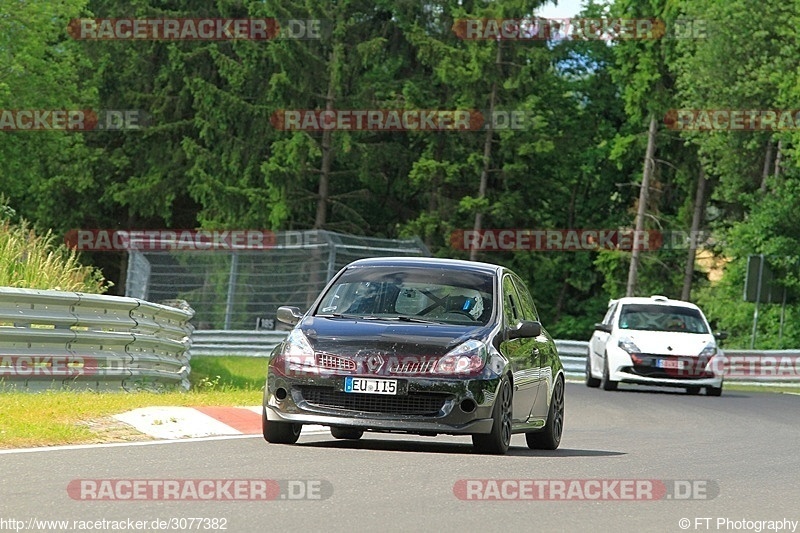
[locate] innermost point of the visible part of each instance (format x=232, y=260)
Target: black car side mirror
x=721, y=335
x=289, y=314
x=603, y=327
x=525, y=329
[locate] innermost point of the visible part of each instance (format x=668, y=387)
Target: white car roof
x=655, y=299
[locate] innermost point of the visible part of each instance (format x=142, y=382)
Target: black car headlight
x=466, y=358
x=297, y=355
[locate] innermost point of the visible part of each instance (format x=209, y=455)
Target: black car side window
x=525, y=301
x=511, y=312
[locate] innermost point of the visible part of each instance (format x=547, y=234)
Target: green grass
x=228, y=373
x=80, y=417
x=793, y=388
x=75, y=417
x=32, y=261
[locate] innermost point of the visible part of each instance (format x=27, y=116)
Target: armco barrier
x=763, y=367
x=53, y=339
x=248, y=343
x=573, y=357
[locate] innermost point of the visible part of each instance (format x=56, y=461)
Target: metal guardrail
x=53, y=339
x=248, y=343
x=573, y=355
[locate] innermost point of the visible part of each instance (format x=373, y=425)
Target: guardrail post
x=231, y=289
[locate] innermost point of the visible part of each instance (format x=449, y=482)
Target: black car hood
x=339, y=335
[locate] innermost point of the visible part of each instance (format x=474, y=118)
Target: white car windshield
x=652, y=317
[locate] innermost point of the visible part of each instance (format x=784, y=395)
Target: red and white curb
x=192, y=422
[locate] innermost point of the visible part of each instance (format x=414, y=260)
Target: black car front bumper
x=425, y=406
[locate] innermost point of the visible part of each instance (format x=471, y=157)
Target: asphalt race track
x=734, y=458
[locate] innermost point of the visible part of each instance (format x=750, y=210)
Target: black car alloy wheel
x=499, y=439
x=549, y=437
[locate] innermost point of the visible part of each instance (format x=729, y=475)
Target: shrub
x=32, y=261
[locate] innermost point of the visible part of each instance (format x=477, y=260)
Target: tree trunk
x=697, y=216
x=562, y=295
x=317, y=264
x=778, y=158
x=327, y=153
x=434, y=199
x=644, y=190
x=767, y=161
x=487, y=155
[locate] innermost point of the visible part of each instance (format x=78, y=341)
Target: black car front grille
x=334, y=362
x=413, y=403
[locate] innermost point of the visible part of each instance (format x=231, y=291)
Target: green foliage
x=32, y=261
x=211, y=157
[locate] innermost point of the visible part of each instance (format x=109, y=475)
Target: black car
x=420, y=346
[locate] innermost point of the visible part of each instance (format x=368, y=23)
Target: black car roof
x=429, y=262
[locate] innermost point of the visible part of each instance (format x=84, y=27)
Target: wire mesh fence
x=243, y=288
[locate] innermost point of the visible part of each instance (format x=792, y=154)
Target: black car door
x=544, y=353
x=521, y=353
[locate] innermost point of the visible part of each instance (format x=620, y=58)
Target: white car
x=655, y=341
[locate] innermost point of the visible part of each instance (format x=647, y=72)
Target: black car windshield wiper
x=417, y=320
x=402, y=318
x=375, y=317
x=337, y=315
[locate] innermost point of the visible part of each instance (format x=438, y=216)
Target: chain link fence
x=242, y=289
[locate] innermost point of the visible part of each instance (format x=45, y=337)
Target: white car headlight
x=710, y=350
x=628, y=345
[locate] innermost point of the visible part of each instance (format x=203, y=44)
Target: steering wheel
x=461, y=313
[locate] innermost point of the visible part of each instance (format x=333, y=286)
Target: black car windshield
x=411, y=293
x=652, y=317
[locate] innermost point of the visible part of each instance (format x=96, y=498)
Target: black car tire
x=279, y=432
x=607, y=383
x=498, y=441
x=714, y=391
x=549, y=437
x=346, y=433
x=692, y=391
x=591, y=381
